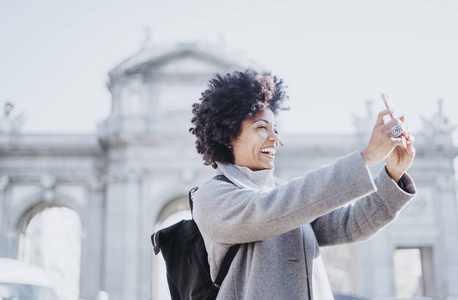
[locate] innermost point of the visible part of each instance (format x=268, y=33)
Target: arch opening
x=51, y=239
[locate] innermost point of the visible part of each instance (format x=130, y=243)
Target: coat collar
x=234, y=174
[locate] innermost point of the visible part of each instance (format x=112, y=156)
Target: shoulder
x=211, y=200
x=213, y=187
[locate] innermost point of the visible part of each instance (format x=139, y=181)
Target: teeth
x=268, y=150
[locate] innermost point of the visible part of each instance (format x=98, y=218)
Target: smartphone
x=386, y=99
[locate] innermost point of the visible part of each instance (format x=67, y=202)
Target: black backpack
x=186, y=259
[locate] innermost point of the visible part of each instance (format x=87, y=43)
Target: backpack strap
x=230, y=255
x=191, y=197
x=155, y=240
x=225, y=265
x=222, y=178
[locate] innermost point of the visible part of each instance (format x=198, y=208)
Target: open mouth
x=269, y=151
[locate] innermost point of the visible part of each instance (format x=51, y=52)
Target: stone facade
x=126, y=179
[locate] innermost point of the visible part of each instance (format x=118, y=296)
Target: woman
x=281, y=225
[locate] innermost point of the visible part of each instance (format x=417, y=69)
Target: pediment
x=187, y=60
x=189, y=63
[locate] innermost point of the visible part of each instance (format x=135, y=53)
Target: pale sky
x=334, y=55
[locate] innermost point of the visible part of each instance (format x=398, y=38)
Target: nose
x=274, y=137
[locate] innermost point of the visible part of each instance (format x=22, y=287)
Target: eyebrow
x=263, y=120
x=259, y=120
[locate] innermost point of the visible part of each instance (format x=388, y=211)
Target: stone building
x=128, y=179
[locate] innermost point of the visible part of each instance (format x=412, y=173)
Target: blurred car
x=347, y=297
x=412, y=298
x=21, y=281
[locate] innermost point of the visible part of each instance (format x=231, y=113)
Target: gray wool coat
x=282, y=225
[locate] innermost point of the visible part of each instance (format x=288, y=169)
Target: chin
x=268, y=167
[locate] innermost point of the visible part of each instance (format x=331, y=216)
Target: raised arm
x=231, y=214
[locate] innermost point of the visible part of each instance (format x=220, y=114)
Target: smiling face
x=257, y=143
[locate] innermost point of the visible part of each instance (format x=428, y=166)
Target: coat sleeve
x=230, y=215
x=365, y=217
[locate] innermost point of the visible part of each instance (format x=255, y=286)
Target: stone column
x=448, y=260
x=122, y=262
x=377, y=267
x=92, y=245
x=4, y=182
x=145, y=248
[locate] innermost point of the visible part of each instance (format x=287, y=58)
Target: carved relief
x=4, y=182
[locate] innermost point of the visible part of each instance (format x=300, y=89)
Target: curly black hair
x=229, y=100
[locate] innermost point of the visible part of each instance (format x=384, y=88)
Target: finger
x=411, y=139
x=402, y=120
x=382, y=114
x=401, y=142
x=405, y=129
x=411, y=150
x=396, y=121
